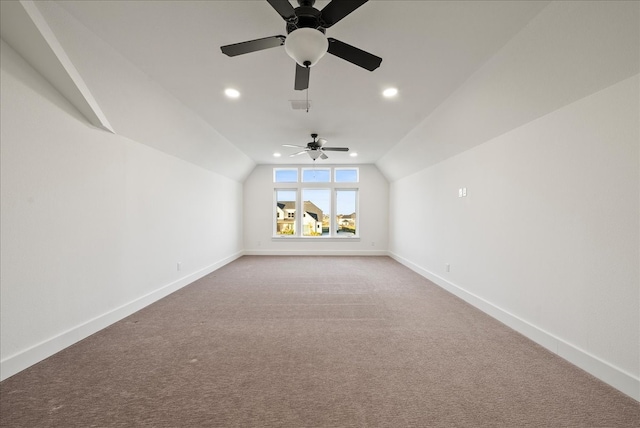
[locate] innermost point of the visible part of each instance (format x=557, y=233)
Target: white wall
x=545, y=137
x=93, y=224
x=259, y=211
x=547, y=239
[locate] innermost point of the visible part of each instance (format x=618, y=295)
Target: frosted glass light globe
x=314, y=154
x=306, y=45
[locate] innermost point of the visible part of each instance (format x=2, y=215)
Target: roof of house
x=309, y=207
x=288, y=205
x=313, y=210
x=347, y=216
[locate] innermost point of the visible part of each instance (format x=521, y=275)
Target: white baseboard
x=619, y=379
x=24, y=359
x=316, y=253
x=614, y=376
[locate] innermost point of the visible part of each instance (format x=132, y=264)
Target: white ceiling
x=429, y=49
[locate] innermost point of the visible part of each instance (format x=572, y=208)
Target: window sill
x=315, y=238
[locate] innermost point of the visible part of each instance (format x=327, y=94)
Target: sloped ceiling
x=24, y=27
x=465, y=71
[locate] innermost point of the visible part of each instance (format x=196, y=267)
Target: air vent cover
x=300, y=104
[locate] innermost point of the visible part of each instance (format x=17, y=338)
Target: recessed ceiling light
x=353, y=155
x=276, y=155
x=390, y=92
x=231, y=93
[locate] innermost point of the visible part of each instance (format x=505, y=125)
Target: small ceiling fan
x=316, y=148
x=306, y=42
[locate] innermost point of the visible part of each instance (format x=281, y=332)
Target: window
x=317, y=210
x=346, y=175
x=346, y=212
x=285, y=212
x=285, y=175
x=316, y=175
x=329, y=207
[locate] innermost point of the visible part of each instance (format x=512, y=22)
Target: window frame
x=356, y=209
x=335, y=174
x=275, y=170
x=285, y=215
x=303, y=170
x=329, y=192
x=332, y=186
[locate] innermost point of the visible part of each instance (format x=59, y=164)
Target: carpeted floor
x=310, y=342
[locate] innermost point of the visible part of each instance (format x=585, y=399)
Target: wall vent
x=300, y=104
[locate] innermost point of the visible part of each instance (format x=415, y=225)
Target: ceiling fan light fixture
x=314, y=154
x=306, y=46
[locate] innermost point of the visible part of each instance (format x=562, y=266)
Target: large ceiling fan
x=306, y=42
x=316, y=148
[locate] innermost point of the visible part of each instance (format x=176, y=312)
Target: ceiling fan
x=306, y=42
x=316, y=148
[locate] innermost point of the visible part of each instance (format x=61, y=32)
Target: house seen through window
x=327, y=199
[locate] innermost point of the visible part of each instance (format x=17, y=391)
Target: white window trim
x=303, y=170
x=274, y=222
x=333, y=187
x=357, y=210
x=336, y=169
x=286, y=169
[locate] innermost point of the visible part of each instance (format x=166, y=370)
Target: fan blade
x=299, y=153
x=323, y=156
x=284, y=8
x=338, y=9
x=291, y=145
x=353, y=55
x=336, y=149
x=302, y=77
x=253, y=45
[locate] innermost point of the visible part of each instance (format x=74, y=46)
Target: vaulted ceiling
x=430, y=50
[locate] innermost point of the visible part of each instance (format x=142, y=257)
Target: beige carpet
x=310, y=342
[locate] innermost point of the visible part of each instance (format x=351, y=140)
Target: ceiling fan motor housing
x=314, y=145
x=306, y=17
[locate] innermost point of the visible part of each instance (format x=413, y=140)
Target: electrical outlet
x=373, y=244
x=447, y=267
x=179, y=266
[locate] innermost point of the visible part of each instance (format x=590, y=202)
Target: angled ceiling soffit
x=24, y=28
